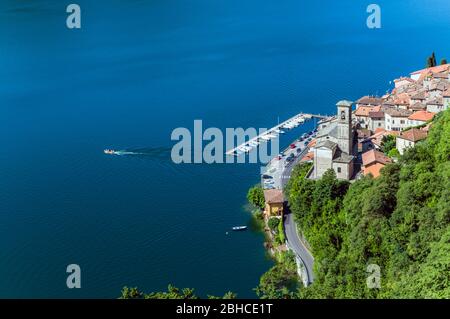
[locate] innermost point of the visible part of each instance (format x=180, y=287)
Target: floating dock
x=272, y=133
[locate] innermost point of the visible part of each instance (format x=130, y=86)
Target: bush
x=394, y=153
x=388, y=143
x=255, y=196
x=273, y=223
x=281, y=235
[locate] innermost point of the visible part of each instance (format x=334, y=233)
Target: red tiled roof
x=365, y=110
x=312, y=143
x=370, y=100
x=398, y=112
x=376, y=114
x=402, y=99
x=413, y=135
x=273, y=196
x=435, y=69
x=404, y=79
x=418, y=106
x=308, y=157
x=373, y=156
x=424, y=116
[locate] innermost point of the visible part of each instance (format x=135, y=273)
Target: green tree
x=255, y=196
x=388, y=143
x=281, y=281
x=431, y=61
x=273, y=223
x=393, y=153
x=131, y=293
x=443, y=61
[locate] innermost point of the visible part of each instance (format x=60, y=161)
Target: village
x=357, y=143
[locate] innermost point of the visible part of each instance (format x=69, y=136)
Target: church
x=335, y=144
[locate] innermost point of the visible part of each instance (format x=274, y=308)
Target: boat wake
x=152, y=152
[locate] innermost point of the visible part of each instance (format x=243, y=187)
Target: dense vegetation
x=171, y=293
x=281, y=281
x=399, y=221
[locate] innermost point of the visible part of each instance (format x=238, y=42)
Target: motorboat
x=239, y=228
x=109, y=151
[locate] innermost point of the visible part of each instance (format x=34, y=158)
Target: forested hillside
x=399, y=221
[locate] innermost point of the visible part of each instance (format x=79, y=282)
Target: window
x=338, y=169
x=342, y=115
x=379, y=124
x=402, y=121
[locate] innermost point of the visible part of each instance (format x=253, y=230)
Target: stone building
x=335, y=145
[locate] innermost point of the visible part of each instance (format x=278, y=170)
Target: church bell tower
x=344, y=126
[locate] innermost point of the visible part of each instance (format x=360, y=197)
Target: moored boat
x=238, y=228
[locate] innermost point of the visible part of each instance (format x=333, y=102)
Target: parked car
x=299, y=150
x=266, y=176
x=292, y=146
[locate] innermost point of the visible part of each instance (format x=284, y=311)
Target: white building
x=409, y=139
x=376, y=120
x=436, y=105
x=446, y=99
x=420, y=117
x=396, y=119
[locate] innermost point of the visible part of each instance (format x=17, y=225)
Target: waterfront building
x=274, y=202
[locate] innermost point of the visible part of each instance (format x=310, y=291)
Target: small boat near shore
x=239, y=228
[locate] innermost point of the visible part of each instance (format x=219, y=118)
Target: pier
x=273, y=132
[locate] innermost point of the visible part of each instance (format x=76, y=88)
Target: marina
x=274, y=132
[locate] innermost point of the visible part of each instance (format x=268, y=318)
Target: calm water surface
x=134, y=72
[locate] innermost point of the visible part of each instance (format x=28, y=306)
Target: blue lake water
x=134, y=72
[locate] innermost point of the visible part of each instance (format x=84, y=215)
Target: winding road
x=292, y=237
x=297, y=246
